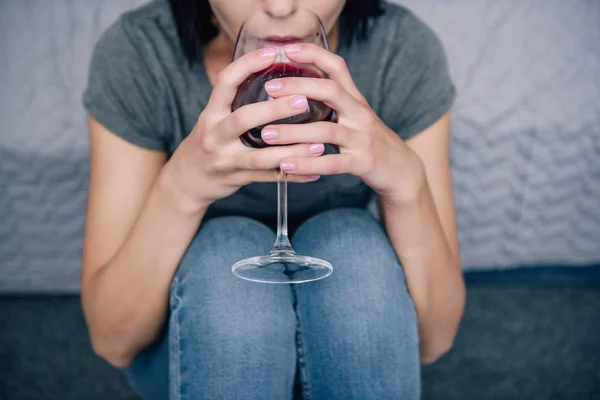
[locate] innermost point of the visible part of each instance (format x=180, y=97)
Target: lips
x=277, y=41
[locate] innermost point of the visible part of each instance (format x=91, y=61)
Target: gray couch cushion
x=525, y=150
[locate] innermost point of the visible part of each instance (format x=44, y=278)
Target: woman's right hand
x=212, y=163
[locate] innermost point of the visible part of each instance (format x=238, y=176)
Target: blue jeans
x=350, y=336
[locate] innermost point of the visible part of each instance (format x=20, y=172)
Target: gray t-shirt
x=142, y=88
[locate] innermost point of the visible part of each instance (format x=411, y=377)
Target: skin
x=230, y=19
x=141, y=220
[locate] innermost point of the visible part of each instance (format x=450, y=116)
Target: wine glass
x=282, y=264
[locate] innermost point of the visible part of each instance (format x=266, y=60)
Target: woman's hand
x=212, y=163
x=368, y=148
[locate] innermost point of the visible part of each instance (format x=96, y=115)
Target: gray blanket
x=525, y=146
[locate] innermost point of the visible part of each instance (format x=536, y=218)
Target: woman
x=158, y=293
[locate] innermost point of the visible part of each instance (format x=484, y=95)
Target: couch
x=526, y=169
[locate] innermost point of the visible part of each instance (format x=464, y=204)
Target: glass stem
x=282, y=243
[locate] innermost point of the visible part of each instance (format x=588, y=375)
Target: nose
x=279, y=8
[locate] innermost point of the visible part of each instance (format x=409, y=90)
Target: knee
x=350, y=237
x=204, y=277
x=226, y=235
x=367, y=274
x=204, y=292
x=219, y=243
x=355, y=224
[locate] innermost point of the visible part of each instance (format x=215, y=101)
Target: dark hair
x=195, y=25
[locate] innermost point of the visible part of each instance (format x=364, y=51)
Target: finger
x=271, y=157
x=235, y=73
x=316, y=132
x=249, y=176
x=258, y=114
x=333, y=164
x=326, y=90
x=332, y=64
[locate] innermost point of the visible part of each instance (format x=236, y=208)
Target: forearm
x=126, y=301
x=433, y=273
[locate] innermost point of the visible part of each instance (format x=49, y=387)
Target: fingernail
x=316, y=148
x=292, y=48
x=268, y=52
x=299, y=102
x=274, y=85
x=313, y=177
x=287, y=166
x=269, y=133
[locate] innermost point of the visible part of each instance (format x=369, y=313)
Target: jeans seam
x=301, y=353
x=176, y=354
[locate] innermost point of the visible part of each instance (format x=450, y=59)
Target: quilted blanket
x=525, y=144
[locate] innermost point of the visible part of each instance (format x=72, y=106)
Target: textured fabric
x=233, y=339
x=525, y=145
x=46, y=48
x=526, y=128
x=142, y=88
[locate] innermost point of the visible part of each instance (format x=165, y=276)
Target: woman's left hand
x=368, y=148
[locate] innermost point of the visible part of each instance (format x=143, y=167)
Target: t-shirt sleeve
x=418, y=87
x=123, y=93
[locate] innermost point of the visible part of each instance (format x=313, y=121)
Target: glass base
x=282, y=268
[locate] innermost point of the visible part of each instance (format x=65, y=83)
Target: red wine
x=252, y=90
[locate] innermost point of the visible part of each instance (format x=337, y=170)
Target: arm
x=144, y=211
x=137, y=229
x=423, y=233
